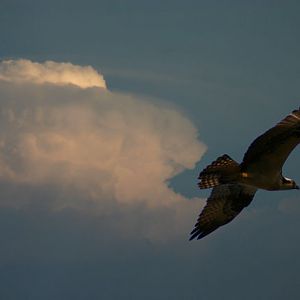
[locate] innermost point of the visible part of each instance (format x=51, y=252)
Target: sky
x=109, y=111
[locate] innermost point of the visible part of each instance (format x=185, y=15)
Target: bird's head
x=289, y=184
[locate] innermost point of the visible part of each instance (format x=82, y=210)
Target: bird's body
x=234, y=185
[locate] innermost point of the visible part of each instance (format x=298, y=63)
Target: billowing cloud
x=24, y=70
x=109, y=147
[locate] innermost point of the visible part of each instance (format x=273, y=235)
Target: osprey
x=234, y=185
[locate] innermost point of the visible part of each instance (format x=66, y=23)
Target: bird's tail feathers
x=223, y=170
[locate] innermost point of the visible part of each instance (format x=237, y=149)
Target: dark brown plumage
x=234, y=185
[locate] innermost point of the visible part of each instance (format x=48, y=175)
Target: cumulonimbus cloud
x=107, y=145
x=24, y=70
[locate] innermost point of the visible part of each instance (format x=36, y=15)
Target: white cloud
x=107, y=146
x=24, y=70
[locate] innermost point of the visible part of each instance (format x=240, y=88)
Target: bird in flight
x=234, y=185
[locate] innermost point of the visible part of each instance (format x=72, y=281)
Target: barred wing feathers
x=224, y=168
x=224, y=204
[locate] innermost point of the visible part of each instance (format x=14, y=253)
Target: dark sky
x=98, y=189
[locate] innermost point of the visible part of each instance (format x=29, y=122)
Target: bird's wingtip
x=197, y=234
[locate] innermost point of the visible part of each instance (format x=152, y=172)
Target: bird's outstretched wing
x=270, y=150
x=224, y=204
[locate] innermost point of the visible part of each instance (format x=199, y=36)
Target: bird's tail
x=223, y=170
